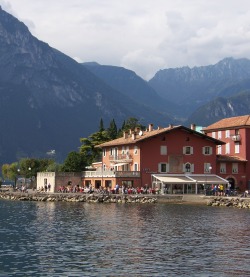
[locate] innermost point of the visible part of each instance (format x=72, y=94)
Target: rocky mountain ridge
x=195, y=87
x=49, y=101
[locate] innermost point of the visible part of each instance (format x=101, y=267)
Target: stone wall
x=230, y=202
x=68, y=197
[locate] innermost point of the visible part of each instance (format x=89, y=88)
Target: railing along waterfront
x=111, y=173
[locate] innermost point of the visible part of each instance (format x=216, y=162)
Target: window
x=187, y=167
x=113, y=152
x=135, y=150
x=207, y=168
x=237, y=132
x=235, y=168
x=207, y=150
x=219, y=135
x=219, y=149
x=136, y=167
x=187, y=150
x=222, y=168
x=213, y=135
x=163, y=167
x=104, y=152
x=123, y=150
x=228, y=148
x=163, y=150
x=237, y=148
x=227, y=134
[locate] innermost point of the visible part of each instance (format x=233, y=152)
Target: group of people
x=107, y=190
x=219, y=190
x=75, y=189
x=139, y=190
x=46, y=188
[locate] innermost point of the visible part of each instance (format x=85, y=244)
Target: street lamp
x=16, y=178
x=205, y=185
x=29, y=175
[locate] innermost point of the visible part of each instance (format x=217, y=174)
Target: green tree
x=9, y=171
x=88, y=145
x=112, y=130
x=54, y=167
x=101, y=126
x=131, y=123
x=27, y=167
x=88, y=149
x=75, y=162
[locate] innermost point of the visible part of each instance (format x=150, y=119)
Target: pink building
x=234, y=155
x=175, y=159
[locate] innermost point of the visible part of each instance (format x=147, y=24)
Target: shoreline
x=233, y=201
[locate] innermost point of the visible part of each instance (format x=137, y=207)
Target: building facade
x=234, y=155
x=163, y=158
x=58, y=180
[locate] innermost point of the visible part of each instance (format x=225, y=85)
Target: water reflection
x=80, y=239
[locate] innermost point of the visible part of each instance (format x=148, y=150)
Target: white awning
x=209, y=179
x=174, y=179
x=119, y=164
x=189, y=179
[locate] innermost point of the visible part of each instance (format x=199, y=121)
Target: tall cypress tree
x=112, y=130
x=101, y=126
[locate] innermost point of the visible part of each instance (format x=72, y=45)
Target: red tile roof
x=231, y=122
x=226, y=158
x=130, y=139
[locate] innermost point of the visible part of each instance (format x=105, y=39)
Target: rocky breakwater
x=90, y=198
x=241, y=203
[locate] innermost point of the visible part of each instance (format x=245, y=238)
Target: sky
x=141, y=35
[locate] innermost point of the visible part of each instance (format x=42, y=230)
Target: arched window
x=187, y=167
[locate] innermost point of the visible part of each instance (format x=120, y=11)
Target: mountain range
x=49, y=101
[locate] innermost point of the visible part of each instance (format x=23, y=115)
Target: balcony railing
x=121, y=158
x=236, y=138
x=110, y=173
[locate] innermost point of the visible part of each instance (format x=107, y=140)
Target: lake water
x=80, y=239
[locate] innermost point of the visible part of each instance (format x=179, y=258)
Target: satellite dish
x=140, y=133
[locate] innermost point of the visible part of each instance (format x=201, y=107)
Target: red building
x=234, y=155
x=175, y=159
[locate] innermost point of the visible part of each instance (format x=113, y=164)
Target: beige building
x=56, y=180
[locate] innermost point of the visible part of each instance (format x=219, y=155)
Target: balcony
x=110, y=174
x=121, y=158
x=236, y=138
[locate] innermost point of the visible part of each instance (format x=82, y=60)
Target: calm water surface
x=80, y=239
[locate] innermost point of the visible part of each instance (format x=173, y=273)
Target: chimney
x=125, y=135
x=170, y=126
x=150, y=127
x=193, y=127
x=133, y=135
x=137, y=129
